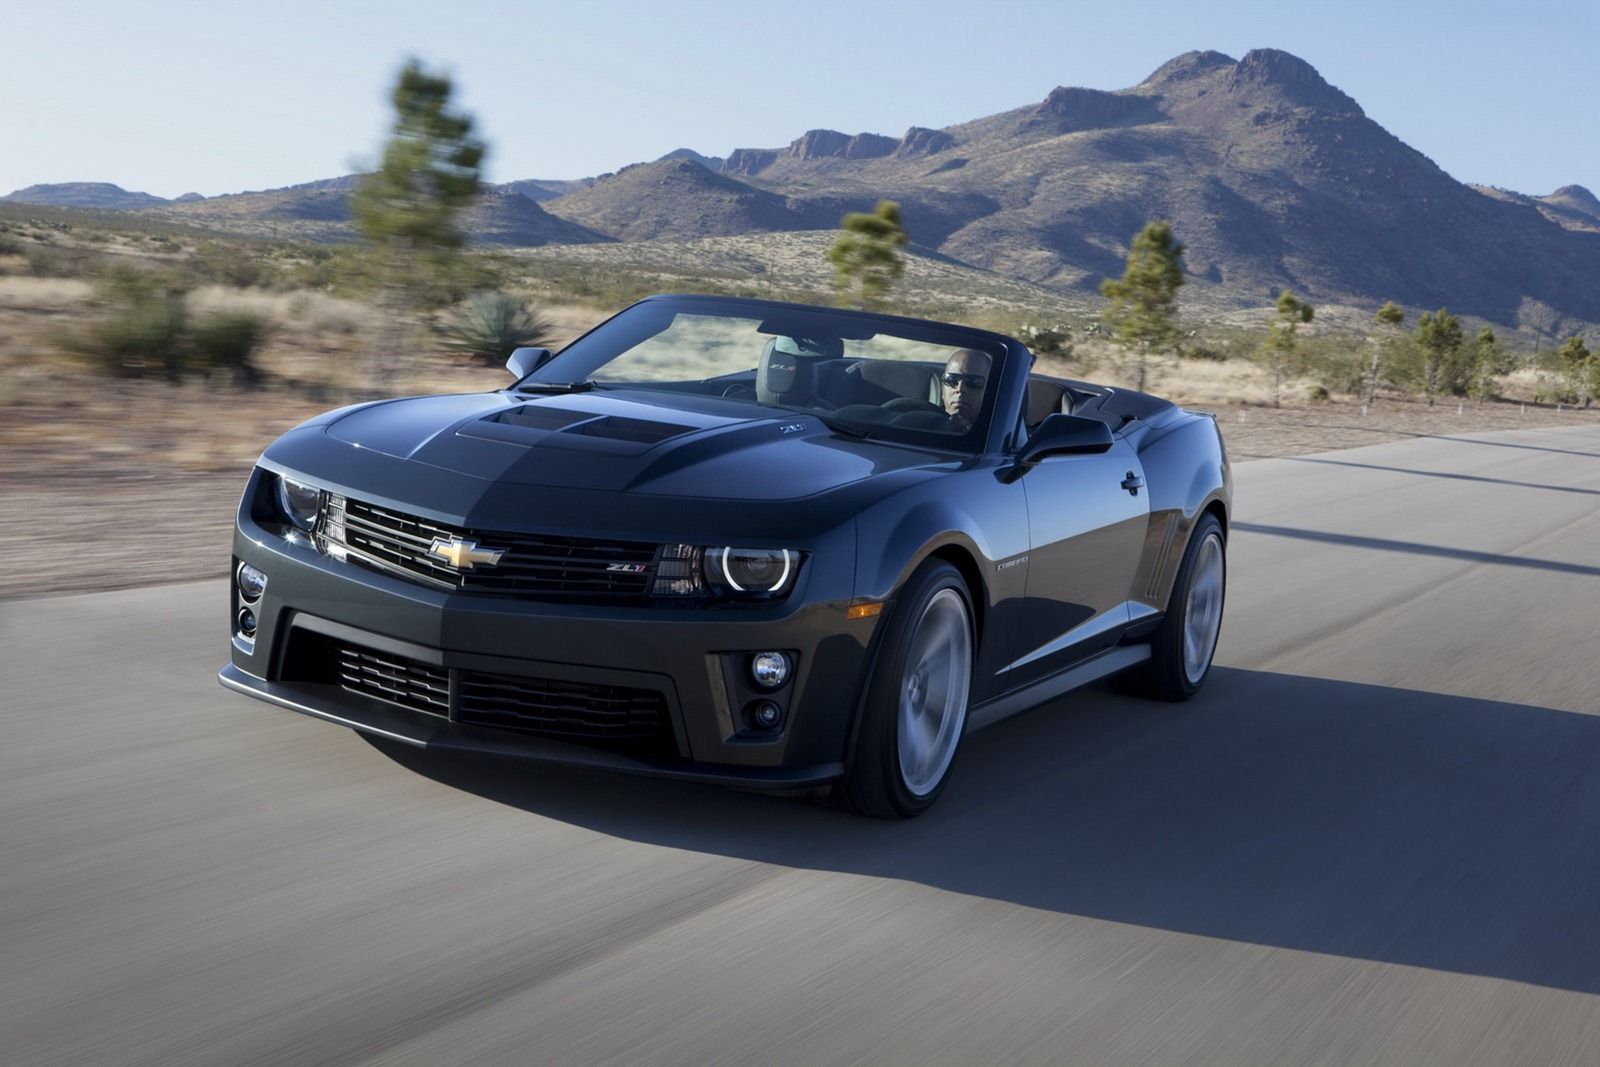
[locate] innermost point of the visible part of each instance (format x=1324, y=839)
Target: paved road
x=1375, y=838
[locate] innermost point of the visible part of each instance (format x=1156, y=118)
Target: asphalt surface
x=1374, y=838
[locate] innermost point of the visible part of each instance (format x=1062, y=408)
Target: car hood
x=626, y=441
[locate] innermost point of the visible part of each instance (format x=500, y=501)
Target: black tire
x=875, y=783
x=1164, y=676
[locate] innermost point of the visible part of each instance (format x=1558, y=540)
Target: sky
x=217, y=97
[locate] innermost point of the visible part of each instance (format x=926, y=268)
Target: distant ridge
x=1272, y=177
x=101, y=195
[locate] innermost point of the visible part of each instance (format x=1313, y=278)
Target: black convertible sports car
x=736, y=541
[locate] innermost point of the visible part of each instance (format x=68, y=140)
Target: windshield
x=919, y=383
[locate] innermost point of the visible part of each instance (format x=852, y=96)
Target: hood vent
x=541, y=417
x=635, y=431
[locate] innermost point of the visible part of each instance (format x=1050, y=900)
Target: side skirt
x=1106, y=663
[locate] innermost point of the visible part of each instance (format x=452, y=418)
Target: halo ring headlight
x=751, y=571
x=298, y=502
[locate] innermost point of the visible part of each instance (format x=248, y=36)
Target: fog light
x=252, y=583
x=765, y=715
x=769, y=669
x=247, y=622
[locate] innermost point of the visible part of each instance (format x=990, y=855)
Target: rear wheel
x=916, y=709
x=1183, y=645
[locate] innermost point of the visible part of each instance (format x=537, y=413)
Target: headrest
x=788, y=367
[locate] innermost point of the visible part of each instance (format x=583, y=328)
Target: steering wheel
x=906, y=403
x=739, y=391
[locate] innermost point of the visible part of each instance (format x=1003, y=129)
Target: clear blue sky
x=169, y=97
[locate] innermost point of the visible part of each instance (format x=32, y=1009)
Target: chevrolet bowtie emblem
x=464, y=555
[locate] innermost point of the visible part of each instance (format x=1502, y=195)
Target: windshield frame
x=990, y=431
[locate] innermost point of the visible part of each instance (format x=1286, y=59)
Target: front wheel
x=916, y=709
x=1183, y=645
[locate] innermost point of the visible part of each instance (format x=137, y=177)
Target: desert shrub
x=141, y=335
x=492, y=325
x=225, y=342
x=227, y=264
x=55, y=261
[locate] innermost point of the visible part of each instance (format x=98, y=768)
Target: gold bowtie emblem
x=464, y=555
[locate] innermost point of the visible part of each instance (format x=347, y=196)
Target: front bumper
x=692, y=656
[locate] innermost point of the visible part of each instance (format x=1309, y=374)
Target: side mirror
x=1063, y=435
x=524, y=361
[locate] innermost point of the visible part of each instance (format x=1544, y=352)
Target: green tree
x=1143, y=316
x=1488, y=361
x=1390, y=317
x=866, y=258
x=1439, y=338
x=1581, y=367
x=408, y=208
x=1291, y=313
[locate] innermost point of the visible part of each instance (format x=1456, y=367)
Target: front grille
x=572, y=711
x=624, y=719
x=392, y=678
x=536, y=565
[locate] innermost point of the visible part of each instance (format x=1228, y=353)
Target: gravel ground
x=115, y=520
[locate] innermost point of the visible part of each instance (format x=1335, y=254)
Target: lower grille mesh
x=619, y=718
x=395, y=679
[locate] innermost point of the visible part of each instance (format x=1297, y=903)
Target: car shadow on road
x=1356, y=820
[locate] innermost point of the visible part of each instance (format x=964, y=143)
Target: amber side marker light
x=864, y=611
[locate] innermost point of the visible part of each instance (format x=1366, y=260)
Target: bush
x=226, y=342
x=492, y=325
x=140, y=335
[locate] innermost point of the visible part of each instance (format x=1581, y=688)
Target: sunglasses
x=971, y=381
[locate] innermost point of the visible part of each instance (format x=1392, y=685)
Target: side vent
x=1159, y=568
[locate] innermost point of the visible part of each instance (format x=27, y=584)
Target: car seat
x=788, y=371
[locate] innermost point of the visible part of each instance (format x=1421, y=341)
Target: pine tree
x=1439, y=338
x=1389, y=318
x=1143, y=316
x=408, y=207
x=866, y=258
x=1487, y=362
x=1291, y=312
x=1581, y=367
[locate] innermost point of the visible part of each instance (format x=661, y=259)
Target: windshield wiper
x=557, y=387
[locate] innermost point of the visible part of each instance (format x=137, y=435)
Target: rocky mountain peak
x=831, y=144
x=1068, y=109
x=1185, y=68
x=1576, y=196
x=1296, y=82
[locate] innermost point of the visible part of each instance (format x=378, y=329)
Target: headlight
x=751, y=571
x=299, y=502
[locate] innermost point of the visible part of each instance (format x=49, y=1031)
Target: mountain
x=1571, y=206
x=1271, y=176
x=101, y=195
x=320, y=211
x=681, y=198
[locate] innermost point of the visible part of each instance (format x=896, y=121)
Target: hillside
x=320, y=211
x=1271, y=176
x=102, y=196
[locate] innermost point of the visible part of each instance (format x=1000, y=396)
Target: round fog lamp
x=247, y=622
x=769, y=669
x=252, y=583
x=766, y=715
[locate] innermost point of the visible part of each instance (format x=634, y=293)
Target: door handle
x=1132, y=483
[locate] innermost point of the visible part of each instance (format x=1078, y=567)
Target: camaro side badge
x=464, y=555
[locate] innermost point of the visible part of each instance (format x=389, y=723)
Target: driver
x=965, y=376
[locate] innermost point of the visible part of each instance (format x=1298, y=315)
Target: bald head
x=966, y=377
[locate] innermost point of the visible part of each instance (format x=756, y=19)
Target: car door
x=1087, y=518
